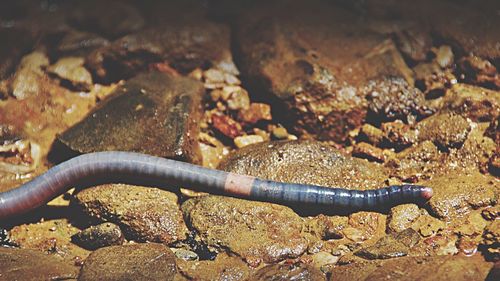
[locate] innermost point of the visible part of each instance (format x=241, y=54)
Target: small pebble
x=280, y=133
x=239, y=100
x=186, y=255
x=214, y=76
x=444, y=56
x=247, y=140
x=98, y=236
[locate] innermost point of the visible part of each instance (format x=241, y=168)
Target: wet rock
x=153, y=113
x=371, y=134
x=144, y=214
x=280, y=133
x=98, y=236
x=184, y=45
x=367, y=151
x=148, y=261
x=226, y=125
x=112, y=19
x=364, y=226
x=478, y=104
x=224, y=267
x=478, y=71
x=239, y=99
x=326, y=227
x=185, y=254
x=282, y=272
x=324, y=261
x=446, y=130
x=21, y=264
x=432, y=79
x=416, y=268
x=26, y=80
x=471, y=225
x=307, y=162
x=256, y=231
x=51, y=236
x=401, y=217
x=247, y=140
x=71, y=69
x=491, y=238
x=391, y=246
x=427, y=225
x=255, y=113
x=317, y=63
x=398, y=135
x=393, y=98
x=477, y=150
x=415, y=162
x=455, y=194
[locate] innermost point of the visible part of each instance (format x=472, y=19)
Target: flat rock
x=50, y=236
x=391, y=246
x=148, y=261
x=256, y=231
x=224, y=267
x=144, y=214
x=456, y=194
x=416, y=268
x=306, y=162
x=22, y=264
x=320, y=64
x=153, y=113
x=283, y=272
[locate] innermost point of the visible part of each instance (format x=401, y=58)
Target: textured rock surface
x=455, y=194
x=145, y=214
x=321, y=64
x=416, y=268
x=224, y=267
x=153, y=113
x=51, y=236
x=98, y=236
x=184, y=44
x=307, y=162
x=19, y=264
x=148, y=261
x=261, y=232
x=282, y=272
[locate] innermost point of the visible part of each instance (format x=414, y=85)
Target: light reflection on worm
x=114, y=166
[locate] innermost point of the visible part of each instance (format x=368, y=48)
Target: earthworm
x=117, y=166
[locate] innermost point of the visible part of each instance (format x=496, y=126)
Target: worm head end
x=427, y=193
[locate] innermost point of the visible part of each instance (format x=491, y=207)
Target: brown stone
x=224, y=267
x=307, y=162
x=20, y=264
x=51, y=236
x=416, y=268
x=283, y=272
x=148, y=261
x=204, y=41
x=153, y=113
x=318, y=63
x=256, y=231
x=145, y=214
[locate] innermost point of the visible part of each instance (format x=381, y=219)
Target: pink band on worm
x=238, y=184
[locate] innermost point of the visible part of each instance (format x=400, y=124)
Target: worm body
x=114, y=166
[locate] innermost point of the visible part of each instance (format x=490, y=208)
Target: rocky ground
x=357, y=94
